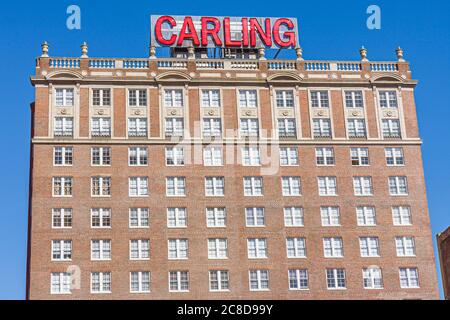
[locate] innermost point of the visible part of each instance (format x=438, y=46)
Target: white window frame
x=102, y=282
x=65, y=97
x=64, y=181
x=213, y=156
x=336, y=247
x=179, y=190
x=66, y=156
x=137, y=92
x=250, y=156
x=140, y=281
x=405, y=244
x=102, y=151
x=101, y=127
x=180, y=214
x=140, y=249
x=137, y=127
x=289, y=214
x=174, y=103
x=397, y=155
x=322, y=101
x=398, y=182
x=290, y=180
x=103, y=183
x=327, y=186
x=370, y=278
x=350, y=96
x=101, y=244
x=369, y=247
x=215, y=187
x=299, y=247
x=289, y=157
x=336, y=279
x=409, y=276
x=390, y=103
x=178, y=251
x=399, y=218
x=259, y=280
x=253, y=187
x=62, y=250
x=326, y=154
x=211, y=127
x=67, y=127
x=215, y=211
x=285, y=101
x=248, y=98
x=177, y=154
x=320, y=130
x=62, y=213
x=64, y=283
x=139, y=189
x=249, y=130
x=300, y=275
x=362, y=181
x=102, y=97
x=141, y=213
x=102, y=214
x=210, y=102
x=179, y=273
x=252, y=213
x=217, y=246
x=219, y=280
x=330, y=216
x=358, y=155
x=141, y=156
x=363, y=216
x=260, y=247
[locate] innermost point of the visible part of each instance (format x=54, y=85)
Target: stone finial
x=84, y=50
x=44, y=47
x=191, y=52
x=152, y=52
x=363, y=53
x=399, y=52
x=299, y=53
x=262, y=53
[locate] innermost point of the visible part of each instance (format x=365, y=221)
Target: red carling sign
x=225, y=32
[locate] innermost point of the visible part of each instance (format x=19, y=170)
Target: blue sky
x=328, y=30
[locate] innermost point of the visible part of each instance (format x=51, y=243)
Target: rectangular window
x=296, y=247
x=359, y=156
x=409, y=278
x=253, y=186
x=287, y=128
x=101, y=156
x=330, y=216
x=322, y=128
x=139, y=218
x=366, y=216
x=138, y=156
x=216, y=217
x=248, y=127
x=255, y=217
x=100, y=218
x=388, y=99
x=319, y=99
x=101, y=127
x=137, y=127
x=101, y=97
x=61, y=283
x=64, y=97
x=175, y=156
x=137, y=98
x=325, y=156
x=405, y=246
x=62, y=186
x=63, y=156
x=100, y=250
x=176, y=186
x=354, y=99
x=178, y=249
x=372, y=278
x=139, y=249
x=173, y=98
x=398, y=186
x=219, y=280
x=289, y=156
x=214, y=186
x=138, y=186
x=333, y=247
x=327, y=186
x=257, y=248
x=62, y=218
x=210, y=98
x=101, y=282
x=298, y=279
x=61, y=250
x=140, y=282
x=369, y=247
x=179, y=281
x=362, y=186
x=250, y=156
x=336, y=279
x=100, y=186
x=212, y=127
x=391, y=128
x=176, y=217
x=174, y=127
x=285, y=98
x=217, y=249
x=293, y=217
x=259, y=280
x=291, y=186
x=248, y=99
x=356, y=128
x=394, y=156
x=63, y=127
x=401, y=216
x=212, y=156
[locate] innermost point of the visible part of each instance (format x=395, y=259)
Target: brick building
x=443, y=240
x=229, y=178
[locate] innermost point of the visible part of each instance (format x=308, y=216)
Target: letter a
x=74, y=20
x=374, y=20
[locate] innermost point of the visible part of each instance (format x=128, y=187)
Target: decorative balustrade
x=135, y=64
x=172, y=64
x=282, y=65
x=102, y=63
x=384, y=66
x=317, y=66
x=64, y=63
x=348, y=66
x=245, y=65
x=210, y=64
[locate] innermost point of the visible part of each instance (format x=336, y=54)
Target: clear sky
x=333, y=30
